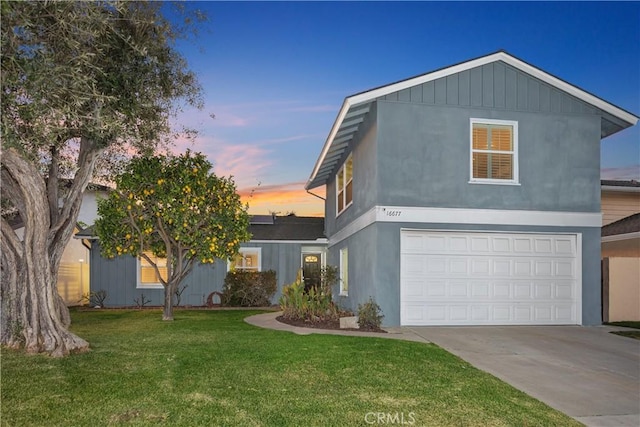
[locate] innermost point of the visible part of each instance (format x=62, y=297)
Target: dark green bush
x=369, y=315
x=249, y=288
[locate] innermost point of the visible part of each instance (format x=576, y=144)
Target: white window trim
x=139, y=284
x=516, y=176
x=343, y=273
x=245, y=250
x=344, y=192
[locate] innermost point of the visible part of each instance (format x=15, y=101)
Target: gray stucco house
x=284, y=244
x=469, y=195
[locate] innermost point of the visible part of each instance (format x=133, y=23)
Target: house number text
x=392, y=212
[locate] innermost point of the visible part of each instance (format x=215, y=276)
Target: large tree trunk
x=33, y=314
x=169, y=290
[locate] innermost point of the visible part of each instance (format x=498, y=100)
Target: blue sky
x=275, y=73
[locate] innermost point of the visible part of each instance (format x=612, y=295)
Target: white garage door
x=473, y=278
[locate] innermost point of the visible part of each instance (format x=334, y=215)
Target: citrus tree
x=83, y=84
x=174, y=208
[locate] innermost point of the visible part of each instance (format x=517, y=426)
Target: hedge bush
x=370, y=315
x=249, y=288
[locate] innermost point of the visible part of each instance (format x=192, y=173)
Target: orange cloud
x=290, y=197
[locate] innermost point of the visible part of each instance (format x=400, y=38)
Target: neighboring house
x=284, y=244
x=73, y=275
x=620, y=251
x=619, y=199
x=469, y=195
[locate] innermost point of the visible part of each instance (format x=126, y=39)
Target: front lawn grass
x=627, y=324
x=210, y=368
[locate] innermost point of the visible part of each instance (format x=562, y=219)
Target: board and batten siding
x=496, y=85
x=618, y=205
x=118, y=276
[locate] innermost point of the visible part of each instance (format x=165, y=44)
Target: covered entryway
x=489, y=278
x=311, y=269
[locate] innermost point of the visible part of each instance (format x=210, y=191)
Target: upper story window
x=147, y=275
x=344, y=185
x=494, y=151
x=247, y=259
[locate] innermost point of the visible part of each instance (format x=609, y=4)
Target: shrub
x=314, y=305
x=178, y=294
x=142, y=301
x=369, y=315
x=249, y=288
x=95, y=299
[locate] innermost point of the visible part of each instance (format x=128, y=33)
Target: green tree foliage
x=175, y=208
x=82, y=83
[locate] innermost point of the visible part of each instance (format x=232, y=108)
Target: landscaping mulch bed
x=324, y=324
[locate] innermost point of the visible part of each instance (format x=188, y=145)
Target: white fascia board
x=620, y=237
x=328, y=142
x=570, y=89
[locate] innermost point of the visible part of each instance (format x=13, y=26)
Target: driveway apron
x=585, y=372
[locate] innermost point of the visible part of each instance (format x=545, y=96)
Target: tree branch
x=53, y=184
x=10, y=242
x=62, y=230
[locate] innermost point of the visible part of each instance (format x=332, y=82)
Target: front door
x=311, y=264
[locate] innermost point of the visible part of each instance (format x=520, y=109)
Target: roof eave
x=327, y=145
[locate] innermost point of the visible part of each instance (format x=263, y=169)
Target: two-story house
x=469, y=195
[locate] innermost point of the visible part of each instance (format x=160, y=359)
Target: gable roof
x=630, y=186
x=355, y=108
x=627, y=225
x=288, y=228
x=265, y=227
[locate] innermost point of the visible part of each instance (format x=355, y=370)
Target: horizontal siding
x=616, y=206
x=496, y=85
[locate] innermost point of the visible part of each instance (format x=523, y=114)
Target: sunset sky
x=275, y=74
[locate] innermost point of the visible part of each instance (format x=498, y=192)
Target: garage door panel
x=522, y=268
x=436, y=289
x=543, y=246
x=502, y=290
x=565, y=311
x=522, y=314
x=564, y=290
x=565, y=246
x=415, y=289
x=522, y=291
x=488, y=278
x=565, y=269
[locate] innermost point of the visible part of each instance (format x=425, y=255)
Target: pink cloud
x=622, y=173
x=245, y=162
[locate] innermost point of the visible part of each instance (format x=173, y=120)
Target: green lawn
x=627, y=324
x=210, y=368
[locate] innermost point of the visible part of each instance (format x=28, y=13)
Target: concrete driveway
x=585, y=372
